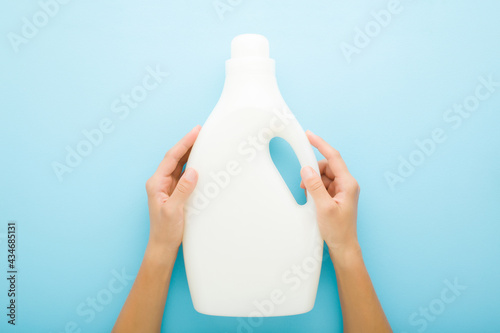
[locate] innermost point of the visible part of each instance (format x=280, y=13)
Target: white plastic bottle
x=249, y=248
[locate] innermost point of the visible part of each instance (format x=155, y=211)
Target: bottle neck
x=250, y=82
x=250, y=65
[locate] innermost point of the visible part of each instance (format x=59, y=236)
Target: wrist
x=160, y=254
x=345, y=255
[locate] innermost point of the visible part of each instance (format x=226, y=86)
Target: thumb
x=184, y=187
x=314, y=185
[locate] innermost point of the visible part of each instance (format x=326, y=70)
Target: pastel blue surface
x=430, y=233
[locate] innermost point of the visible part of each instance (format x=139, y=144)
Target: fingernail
x=307, y=172
x=309, y=132
x=190, y=175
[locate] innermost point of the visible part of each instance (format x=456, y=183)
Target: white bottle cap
x=249, y=45
x=250, y=55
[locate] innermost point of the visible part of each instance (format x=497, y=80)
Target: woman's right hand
x=335, y=193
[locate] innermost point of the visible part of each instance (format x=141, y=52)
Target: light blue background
x=441, y=224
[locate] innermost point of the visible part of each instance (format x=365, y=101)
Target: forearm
x=361, y=309
x=143, y=309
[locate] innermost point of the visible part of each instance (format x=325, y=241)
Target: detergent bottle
x=250, y=250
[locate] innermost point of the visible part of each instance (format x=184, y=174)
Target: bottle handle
x=296, y=137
